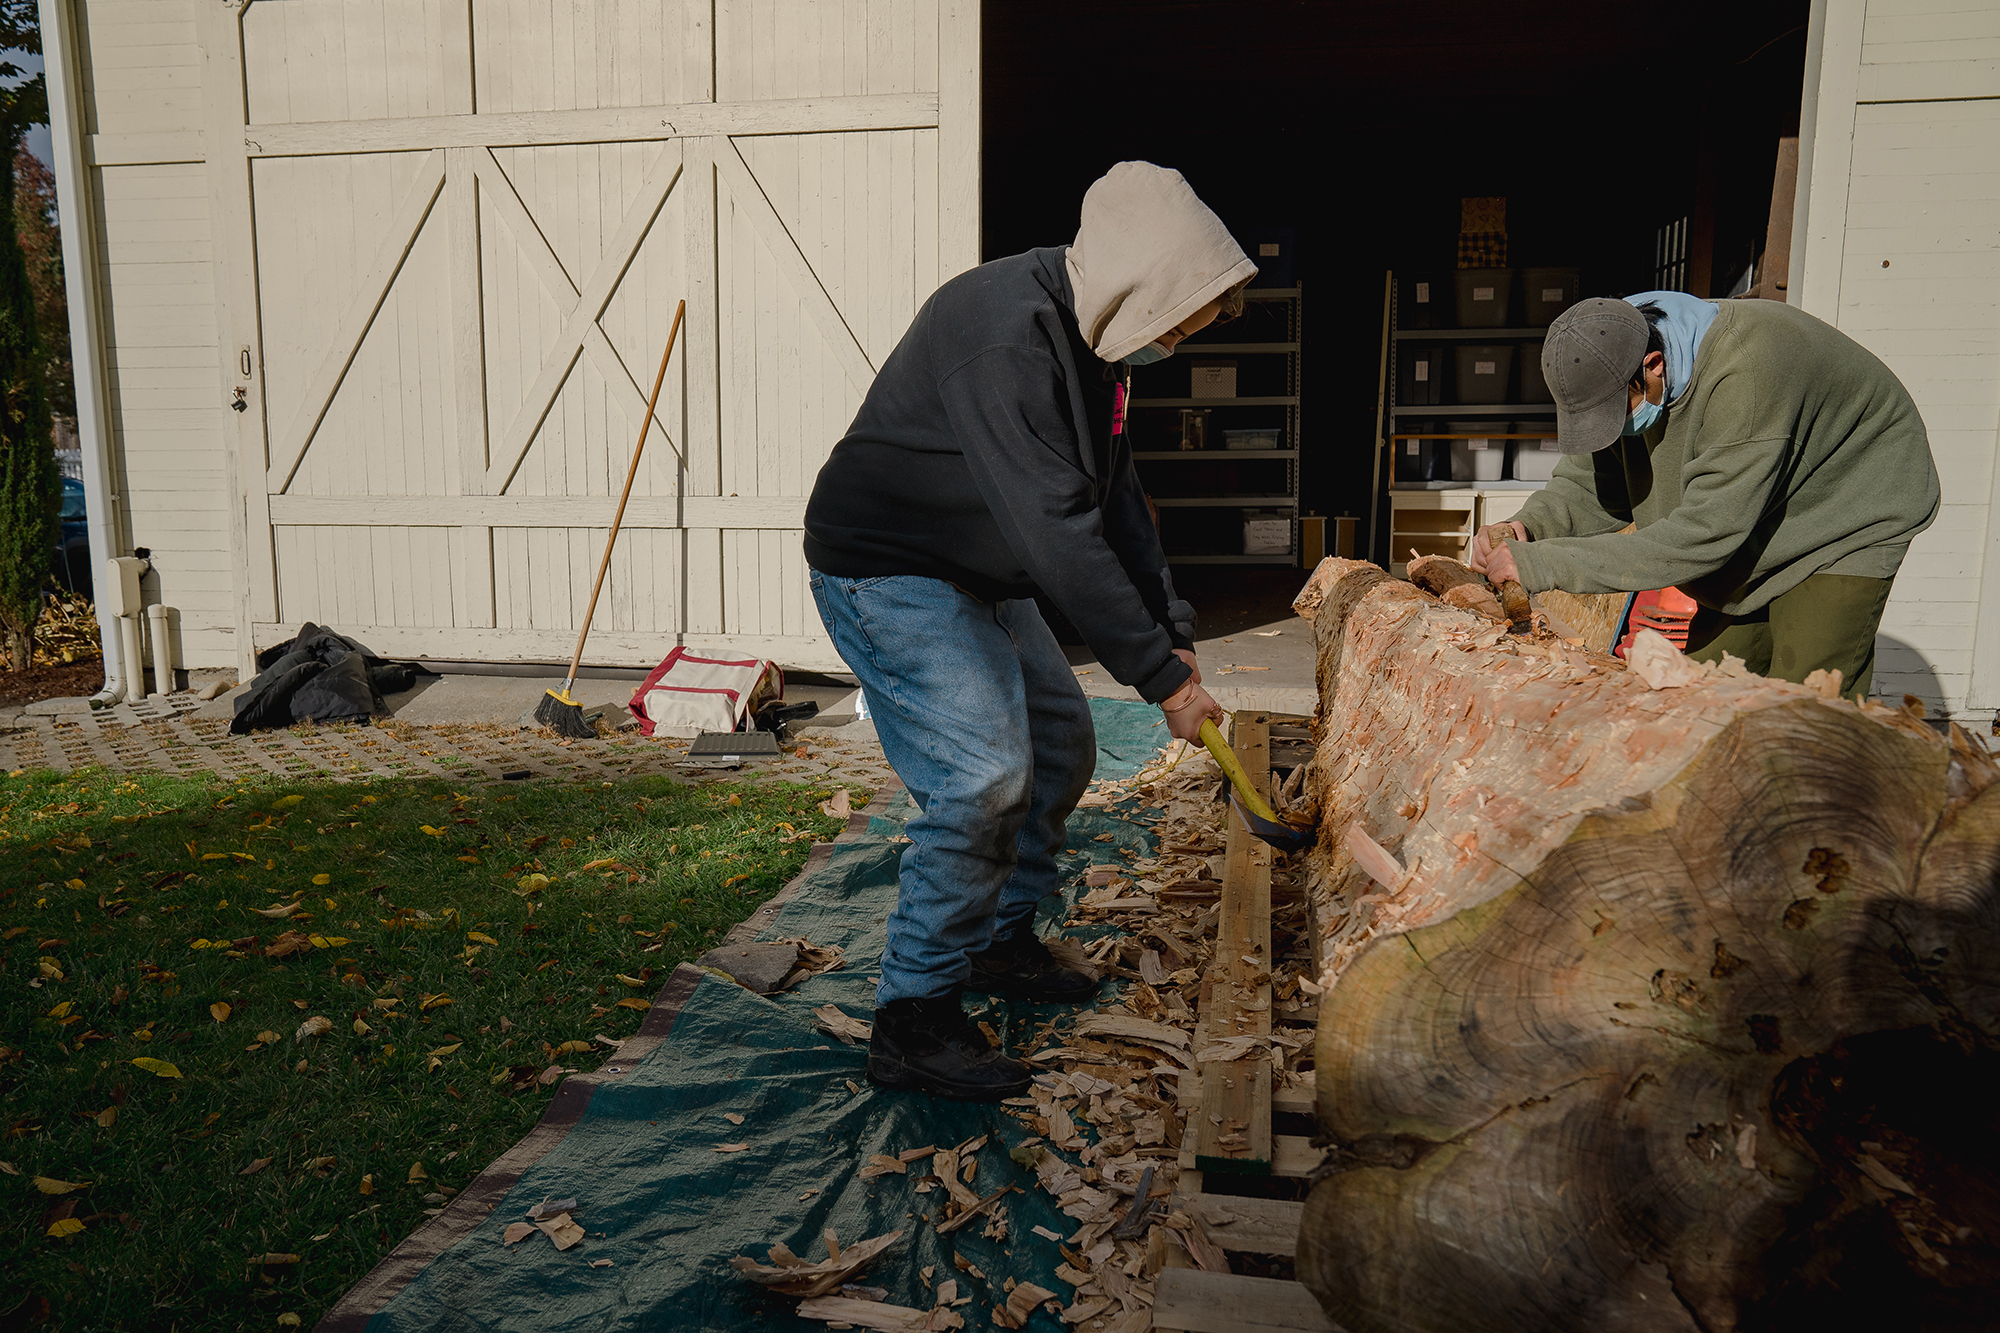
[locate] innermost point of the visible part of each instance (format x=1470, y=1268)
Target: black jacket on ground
x=983, y=456
x=319, y=676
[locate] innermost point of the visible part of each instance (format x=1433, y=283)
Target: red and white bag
x=689, y=693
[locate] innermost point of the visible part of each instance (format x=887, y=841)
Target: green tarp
x=669, y=1210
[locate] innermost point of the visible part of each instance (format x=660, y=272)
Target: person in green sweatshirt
x=1774, y=470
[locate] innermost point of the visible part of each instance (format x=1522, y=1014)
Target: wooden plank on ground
x=1293, y=1155
x=1250, y=1226
x=1193, y=1301
x=1233, y=1126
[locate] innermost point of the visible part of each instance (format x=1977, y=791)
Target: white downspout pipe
x=73, y=196
x=163, y=650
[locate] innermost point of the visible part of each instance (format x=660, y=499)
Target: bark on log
x=1675, y=1011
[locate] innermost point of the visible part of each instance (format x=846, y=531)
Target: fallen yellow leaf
x=433, y=1002
x=361, y=1029
x=631, y=1002
x=328, y=941
x=531, y=884
x=286, y=802
x=48, y=1185
x=447, y=1050
x=434, y=832
x=107, y=1117
x=734, y=879
x=574, y=1046
x=276, y=1258
x=322, y=879
x=316, y=1026
x=417, y=1173
x=479, y=938
x=269, y=1038
x=630, y=981
x=331, y=905
x=73, y=884
x=160, y=1067
x=288, y=1320
x=67, y=1226
x=255, y=1166
x=281, y=910
x=61, y=1010
x=219, y=1011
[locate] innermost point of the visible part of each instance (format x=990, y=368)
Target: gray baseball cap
x=1587, y=360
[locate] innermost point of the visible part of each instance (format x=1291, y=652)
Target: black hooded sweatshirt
x=984, y=454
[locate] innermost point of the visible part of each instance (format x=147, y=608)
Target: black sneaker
x=1020, y=964
x=929, y=1045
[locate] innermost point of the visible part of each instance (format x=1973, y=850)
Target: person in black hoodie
x=989, y=462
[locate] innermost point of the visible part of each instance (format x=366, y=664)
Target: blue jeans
x=981, y=717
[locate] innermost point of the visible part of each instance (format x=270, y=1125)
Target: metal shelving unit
x=1160, y=469
x=1438, y=517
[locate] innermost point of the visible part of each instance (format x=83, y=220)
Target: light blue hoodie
x=1686, y=323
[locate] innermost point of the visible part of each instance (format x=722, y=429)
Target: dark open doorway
x=1363, y=123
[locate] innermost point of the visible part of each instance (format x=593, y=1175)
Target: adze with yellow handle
x=1256, y=812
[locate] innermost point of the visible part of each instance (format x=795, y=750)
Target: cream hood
x=1147, y=255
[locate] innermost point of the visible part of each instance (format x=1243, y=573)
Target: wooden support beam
x=1193, y=1301
x=1233, y=1127
x=1247, y=1225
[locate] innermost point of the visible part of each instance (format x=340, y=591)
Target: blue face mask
x=1642, y=417
x=1147, y=355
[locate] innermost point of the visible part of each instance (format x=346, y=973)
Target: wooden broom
x=557, y=710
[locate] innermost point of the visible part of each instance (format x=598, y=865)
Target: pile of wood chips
x=1129, y=1069
x=1126, y=1070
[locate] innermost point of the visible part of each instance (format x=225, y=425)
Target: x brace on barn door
x=582, y=333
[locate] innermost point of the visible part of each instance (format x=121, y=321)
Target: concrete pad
x=57, y=707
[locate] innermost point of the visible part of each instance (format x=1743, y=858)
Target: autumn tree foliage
x=30, y=486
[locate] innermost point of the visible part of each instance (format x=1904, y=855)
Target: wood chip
x=837, y=1024
x=786, y=1273
x=880, y=1165
x=561, y=1230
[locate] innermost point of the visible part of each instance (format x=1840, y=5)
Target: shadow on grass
x=258, y=1172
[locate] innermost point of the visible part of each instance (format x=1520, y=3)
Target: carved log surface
x=1673, y=1014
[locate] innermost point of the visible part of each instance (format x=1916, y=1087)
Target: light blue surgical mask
x=1642, y=417
x=1147, y=355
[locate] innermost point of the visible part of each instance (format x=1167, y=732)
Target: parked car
x=70, y=561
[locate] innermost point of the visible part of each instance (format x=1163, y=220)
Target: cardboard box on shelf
x=1212, y=379
x=1266, y=532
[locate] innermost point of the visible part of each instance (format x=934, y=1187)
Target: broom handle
x=631, y=472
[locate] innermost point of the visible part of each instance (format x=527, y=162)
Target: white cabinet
x=1441, y=522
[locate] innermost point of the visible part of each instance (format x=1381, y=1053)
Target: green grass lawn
x=456, y=944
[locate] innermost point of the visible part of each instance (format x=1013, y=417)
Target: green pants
x=1827, y=623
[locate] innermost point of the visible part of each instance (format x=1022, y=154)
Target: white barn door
x=452, y=243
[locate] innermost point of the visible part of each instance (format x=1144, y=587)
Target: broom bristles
x=563, y=715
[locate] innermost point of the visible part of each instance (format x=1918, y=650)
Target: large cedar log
x=1679, y=1011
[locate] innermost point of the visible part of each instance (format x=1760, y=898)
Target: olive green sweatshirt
x=1792, y=451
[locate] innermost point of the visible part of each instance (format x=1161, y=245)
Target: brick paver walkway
x=160, y=735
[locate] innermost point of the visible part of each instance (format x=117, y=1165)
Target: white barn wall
x=1902, y=252
x=141, y=87
x=419, y=464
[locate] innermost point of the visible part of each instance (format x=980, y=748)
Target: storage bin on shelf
x=1534, y=385
x=1420, y=375
x=1421, y=302
x=1481, y=458
x=1484, y=296
x=1485, y=371
x=1260, y=438
x=1547, y=292
x=1422, y=460
x=1532, y=460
